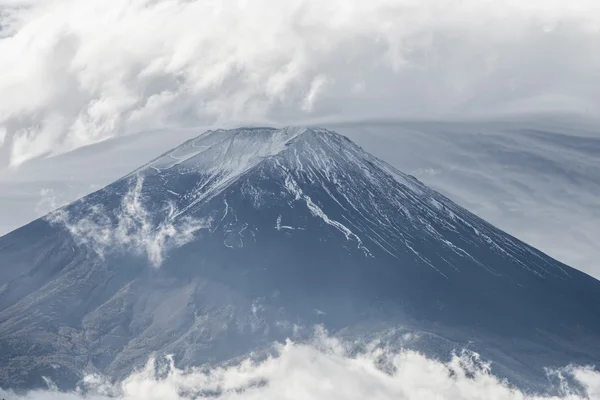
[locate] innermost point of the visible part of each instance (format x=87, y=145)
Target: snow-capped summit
x=240, y=237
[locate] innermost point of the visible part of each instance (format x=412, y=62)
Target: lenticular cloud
x=327, y=369
x=78, y=72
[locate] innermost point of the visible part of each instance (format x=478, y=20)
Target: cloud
x=327, y=368
x=131, y=228
x=80, y=72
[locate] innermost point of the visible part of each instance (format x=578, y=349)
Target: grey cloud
x=82, y=72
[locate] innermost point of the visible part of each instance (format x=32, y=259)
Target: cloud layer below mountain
x=78, y=72
x=327, y=368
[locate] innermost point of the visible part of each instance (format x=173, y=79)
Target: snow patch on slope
x=316, y=211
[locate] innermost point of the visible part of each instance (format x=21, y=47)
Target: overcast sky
x=74, y=73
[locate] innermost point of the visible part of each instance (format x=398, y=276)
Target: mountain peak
x=246, y=145
x=227, y=154
x=219, y=158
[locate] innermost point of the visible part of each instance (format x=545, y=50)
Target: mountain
x=241, y=237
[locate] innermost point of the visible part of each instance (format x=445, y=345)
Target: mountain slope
x=241, y=237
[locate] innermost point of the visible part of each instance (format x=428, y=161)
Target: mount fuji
x=239, y=238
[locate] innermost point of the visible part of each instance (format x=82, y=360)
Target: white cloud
x=131, y=228
x=328, y=369
x=78, y=72
x=316, y=86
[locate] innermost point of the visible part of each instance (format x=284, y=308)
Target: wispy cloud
x=80, y=72
x=130, y=228
x=49, y=201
